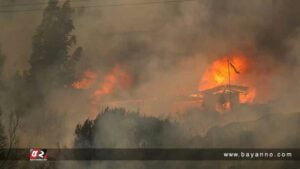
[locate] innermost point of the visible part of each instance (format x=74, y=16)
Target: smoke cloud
x=165, y=48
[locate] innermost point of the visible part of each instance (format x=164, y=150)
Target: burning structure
x=224, y=97
x=218, y=87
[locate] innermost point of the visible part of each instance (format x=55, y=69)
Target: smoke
x=16, y=34
x=166, y=43
x=166, y=48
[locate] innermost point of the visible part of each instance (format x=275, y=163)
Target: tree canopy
x=115, y=128
x=52, y=61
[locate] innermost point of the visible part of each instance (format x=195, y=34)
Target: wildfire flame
x=236, y=67
x=116, y=79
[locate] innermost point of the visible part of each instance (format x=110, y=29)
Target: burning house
x=221, y=87
x=223, y=98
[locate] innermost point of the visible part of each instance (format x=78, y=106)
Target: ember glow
x=88, y=79
x=248, y=97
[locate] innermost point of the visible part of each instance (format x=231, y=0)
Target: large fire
x=231, y=69
x=236, y=70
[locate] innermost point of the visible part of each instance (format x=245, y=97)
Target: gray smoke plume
x=165, y=47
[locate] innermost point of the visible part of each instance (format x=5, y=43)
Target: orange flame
x=87, y=80
x=217, y=74
x=116, y=79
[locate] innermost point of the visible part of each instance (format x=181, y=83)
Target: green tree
x=118, y=128
x=52, y=65
x=54, y=54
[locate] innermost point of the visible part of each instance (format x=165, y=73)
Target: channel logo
x=37, y=154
